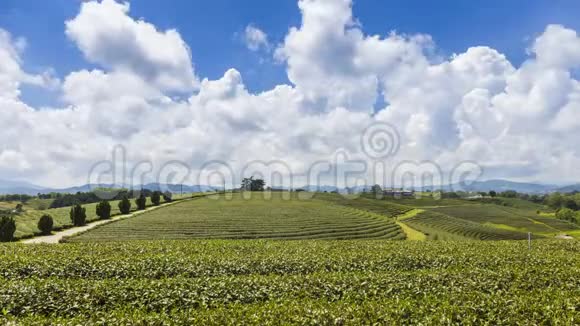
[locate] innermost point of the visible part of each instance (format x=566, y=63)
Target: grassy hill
x=256, y=218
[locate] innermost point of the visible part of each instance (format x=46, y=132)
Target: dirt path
x=57, y=236
x=411, y=233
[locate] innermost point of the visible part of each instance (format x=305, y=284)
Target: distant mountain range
x=20, y=187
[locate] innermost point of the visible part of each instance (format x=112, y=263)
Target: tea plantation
x=256, y=217
x=291, y=282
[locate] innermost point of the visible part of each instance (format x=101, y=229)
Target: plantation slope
x=256, y=218
x=438, y=226
x=378, y=206
x=513, y=218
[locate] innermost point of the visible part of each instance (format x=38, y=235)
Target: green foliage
x=251, y=184
x=7, y=228
x=567, y=214
x=141, y=202
x=254, y=218
x=492, y=194
x=78, y=215
x=45, y=224
x=103, y=210
x=156, y=198
x=291, y=282
x=125, y=206
x=509, y=194
x=167, y=196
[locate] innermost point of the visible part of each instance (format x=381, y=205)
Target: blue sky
x=508, y=100
x=212, y=29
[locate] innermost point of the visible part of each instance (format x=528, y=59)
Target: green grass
x=438, y=226
x=26, y=222
x=291, y=282
x=517, y=219
x=256, y=218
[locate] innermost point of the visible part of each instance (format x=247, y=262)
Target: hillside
x=216, y=217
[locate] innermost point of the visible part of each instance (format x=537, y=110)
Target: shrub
x=104, y=210
x=125, y=205
x=7, y=228
x=78, y=215
x=141, y=201
x=167, y=196
x=45, y=224
x=156, y=198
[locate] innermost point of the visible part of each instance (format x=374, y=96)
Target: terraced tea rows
x=281, y=282
x=516, y=219
x=382, y=207
x=255, y=218
x=440, y=226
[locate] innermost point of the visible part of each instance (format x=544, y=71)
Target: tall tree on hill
x=167, y=196
x=45, y=224
x=251, y=184
x=376, y=190
x=78, y=215
x=156, y=198
x=141, y=201
x=104, y=210
x=125, y=205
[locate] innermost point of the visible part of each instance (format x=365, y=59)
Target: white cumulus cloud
x=255, y=38
x=515, y=121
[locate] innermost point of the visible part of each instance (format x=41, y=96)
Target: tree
x=492, y=194
x=78, y=215
x=45, y=224
x=566, y=214
x=554, y=200
x=509, y=194
x=156, y=198
x=167, y=196
x=570, y=203
x=125, y=205
x=249, y=184
x=104, y=210
x=7, y=228
x=141, y=201
x=376, y=189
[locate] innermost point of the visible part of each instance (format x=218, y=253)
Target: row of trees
x=78, y=214
x=65, y=200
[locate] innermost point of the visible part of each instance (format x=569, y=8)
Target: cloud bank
x=516, y=122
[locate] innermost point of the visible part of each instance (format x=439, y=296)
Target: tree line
x=78, y=214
